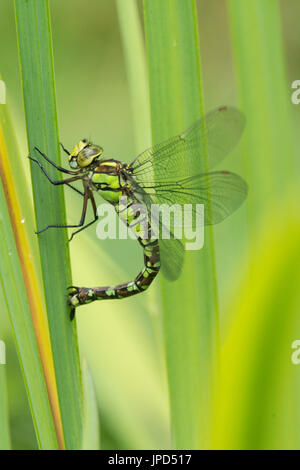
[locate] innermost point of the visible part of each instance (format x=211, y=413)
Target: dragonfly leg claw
x=72, y=313
x=77, y=296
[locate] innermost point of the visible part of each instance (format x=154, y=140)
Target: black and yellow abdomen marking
x=115, y=190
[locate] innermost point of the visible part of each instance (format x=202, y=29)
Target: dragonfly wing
x=171, y=249
x=174, y=172
x=214, y=136
x=221, y=193
x=171, y=257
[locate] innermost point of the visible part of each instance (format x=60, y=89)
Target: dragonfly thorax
x=108, y=178
x=84, y=153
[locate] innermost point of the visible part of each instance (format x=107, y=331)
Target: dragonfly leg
x=64, y=149
x=81, y=222
x=52, y=181
x=60, y=168
x=84, y=295
x=75, y=189
x=90, y=223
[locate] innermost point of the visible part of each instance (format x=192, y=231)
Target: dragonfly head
x=84, y=153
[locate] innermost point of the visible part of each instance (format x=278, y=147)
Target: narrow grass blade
x=190, y=305
x=16, y=165
x=263, y=96
x=136, y=67
x=133, y=42
x=33, y=26
x=14, y=262
x=4, y=414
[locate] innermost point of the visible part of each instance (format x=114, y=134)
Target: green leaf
x=33, y=26
x=190, y=304
x=263, y=96
x=256, y=403
x=136, y=68
x=16, y=299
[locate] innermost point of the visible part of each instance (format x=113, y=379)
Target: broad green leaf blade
x=33, y=26
x=190, y=305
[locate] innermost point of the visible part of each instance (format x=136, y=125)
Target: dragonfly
x=167, y=173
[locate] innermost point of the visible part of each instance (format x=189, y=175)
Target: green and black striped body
x=110, y=179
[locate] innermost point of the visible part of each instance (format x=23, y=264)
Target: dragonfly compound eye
x=73, y=163
x=88, y=154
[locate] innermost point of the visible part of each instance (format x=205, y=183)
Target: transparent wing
x=221, y=193
x=216, y=134
x=170, y=173
x=171, y=258
x=171, y=249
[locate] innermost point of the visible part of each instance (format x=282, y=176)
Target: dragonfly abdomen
x=130, y=213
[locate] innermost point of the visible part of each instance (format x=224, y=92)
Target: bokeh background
x=257, y=249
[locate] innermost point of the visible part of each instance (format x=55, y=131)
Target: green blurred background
x=122, y=341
